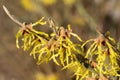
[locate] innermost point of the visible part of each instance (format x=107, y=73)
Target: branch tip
x=12, y=16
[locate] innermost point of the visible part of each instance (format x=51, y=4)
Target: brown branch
x=12, y=16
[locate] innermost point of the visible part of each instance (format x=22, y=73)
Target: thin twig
x=12, y=16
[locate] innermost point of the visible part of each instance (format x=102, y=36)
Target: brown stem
x=12, y=16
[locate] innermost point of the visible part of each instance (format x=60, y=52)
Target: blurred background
x=84, y=16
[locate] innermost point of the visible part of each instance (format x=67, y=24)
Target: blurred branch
x=82, y=11
x=12, y=16
x=41, y=9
